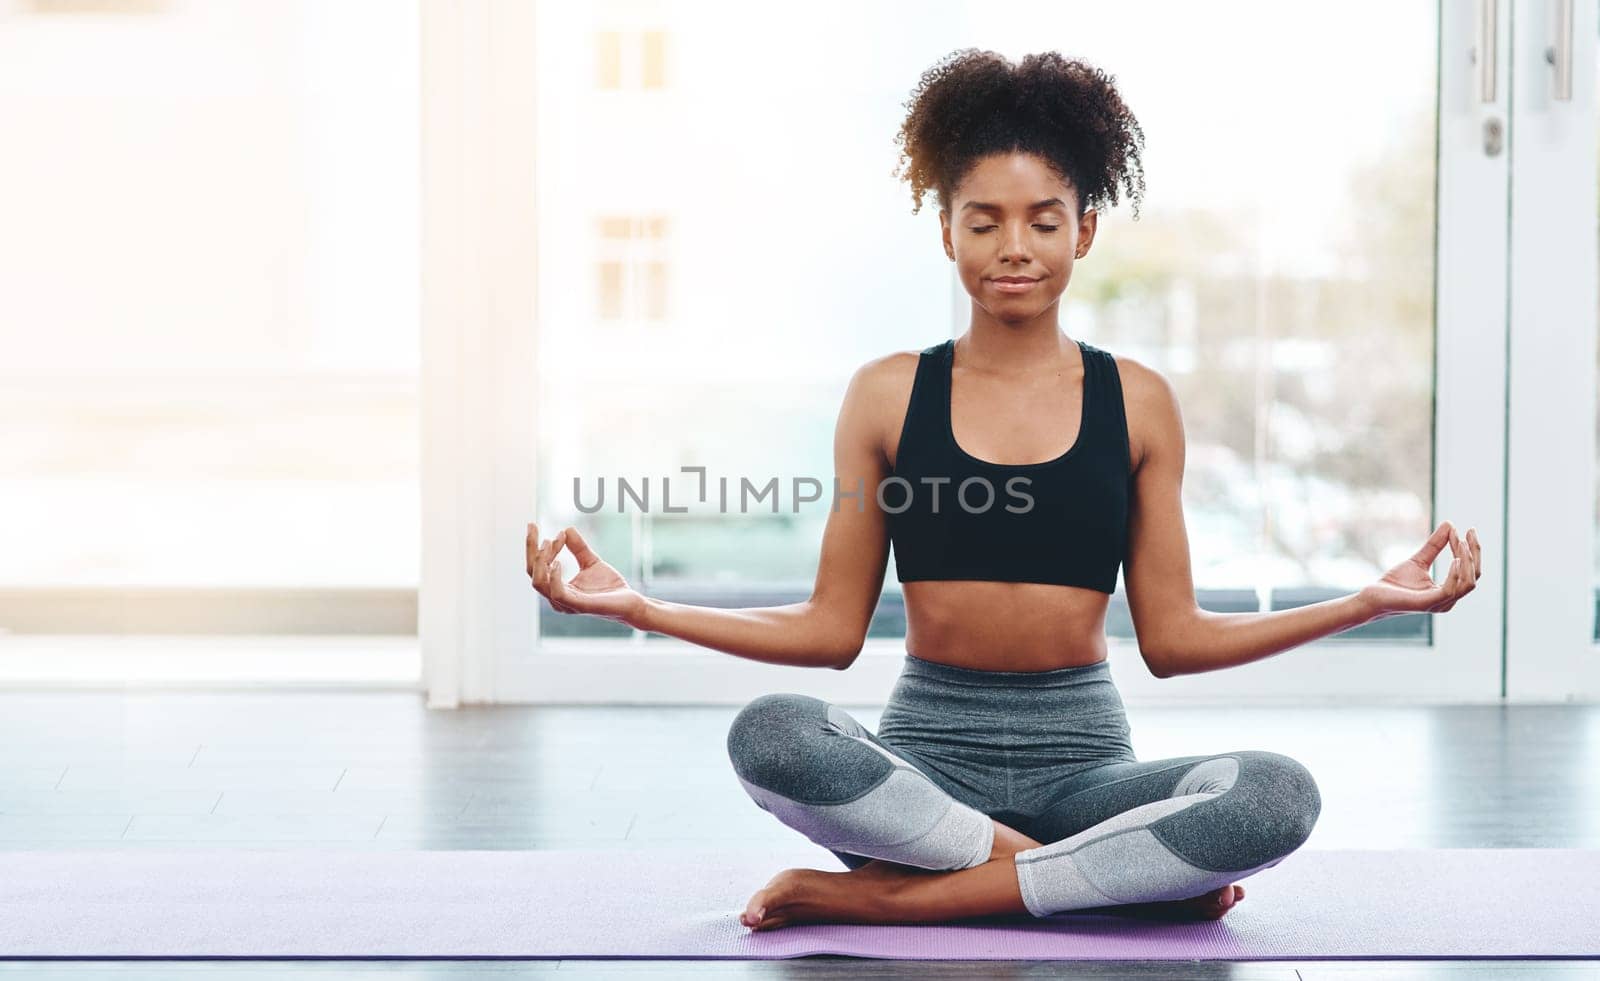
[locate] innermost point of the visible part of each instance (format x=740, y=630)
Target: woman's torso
x=1077, y=454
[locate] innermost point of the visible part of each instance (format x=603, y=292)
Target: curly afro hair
x=973, y=103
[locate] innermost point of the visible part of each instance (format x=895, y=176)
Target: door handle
x=1484, y=53
x=1560, y=55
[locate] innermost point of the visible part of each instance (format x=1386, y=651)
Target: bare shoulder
x=880, y=391
x=1150, y=402
x=883, y=372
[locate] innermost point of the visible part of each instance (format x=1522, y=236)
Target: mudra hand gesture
x=1408, y=588
x=597, y=589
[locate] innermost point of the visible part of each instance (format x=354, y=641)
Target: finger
x=1477, y=554
x=553, y=547
x=533, y=546
x=541, y=570
x=580, y=549
x=1457, y=550
x=1443, y=591
x=1436, y=541
x=533, y=563
x=1439, y=581
x=1430, y=549
x=558, y=584
x=1461, y=587
x=1469, y=566
x=1453, y=582
x=553, y=591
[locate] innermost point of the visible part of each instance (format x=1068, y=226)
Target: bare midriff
x=1005, y=626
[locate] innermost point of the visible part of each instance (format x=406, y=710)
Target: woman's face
x=1013, y=217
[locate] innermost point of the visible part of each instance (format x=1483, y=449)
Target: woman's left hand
x=1408, y=588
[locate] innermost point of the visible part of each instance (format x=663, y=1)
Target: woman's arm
x=1175, y=635
x=826, y=630
x=1222, y=640
x=1214, y=641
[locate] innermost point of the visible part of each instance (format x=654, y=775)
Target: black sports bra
x=1063, y=521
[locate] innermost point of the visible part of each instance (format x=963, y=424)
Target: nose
x=1014, y=246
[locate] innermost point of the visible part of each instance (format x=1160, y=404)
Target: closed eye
x=990, y=228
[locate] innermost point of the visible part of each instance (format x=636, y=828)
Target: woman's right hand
x=597, y=589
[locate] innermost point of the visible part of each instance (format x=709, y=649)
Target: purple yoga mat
x=678, y=903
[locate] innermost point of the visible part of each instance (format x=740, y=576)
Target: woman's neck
x=1014, y=349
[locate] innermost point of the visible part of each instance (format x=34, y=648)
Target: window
x=630, y=59
x=632, y=269
x=208, y=303
x=1282, y=280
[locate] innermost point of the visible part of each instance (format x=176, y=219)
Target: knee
x=783, y=743
x=763, y=734
x=1267, y=813
x=1285, y=799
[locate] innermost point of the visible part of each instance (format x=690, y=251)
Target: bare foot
x=863, y=895
x=1213, y=905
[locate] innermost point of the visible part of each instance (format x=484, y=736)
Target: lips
x=1013, y=284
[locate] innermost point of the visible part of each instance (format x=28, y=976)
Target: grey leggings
x=1044, y=752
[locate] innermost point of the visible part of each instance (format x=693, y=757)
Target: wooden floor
x=321, y=770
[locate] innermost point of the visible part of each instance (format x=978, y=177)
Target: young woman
x=1002, y=779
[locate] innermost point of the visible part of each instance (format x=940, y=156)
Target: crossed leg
x=818, y=770
x=1162, y=830
x=1132, y=834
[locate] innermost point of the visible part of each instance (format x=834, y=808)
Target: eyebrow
x=1046, y=203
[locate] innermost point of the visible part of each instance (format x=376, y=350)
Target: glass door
x=1551, y=567
x=1320, y=267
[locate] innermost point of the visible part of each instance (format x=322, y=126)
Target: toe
x=754, y=909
